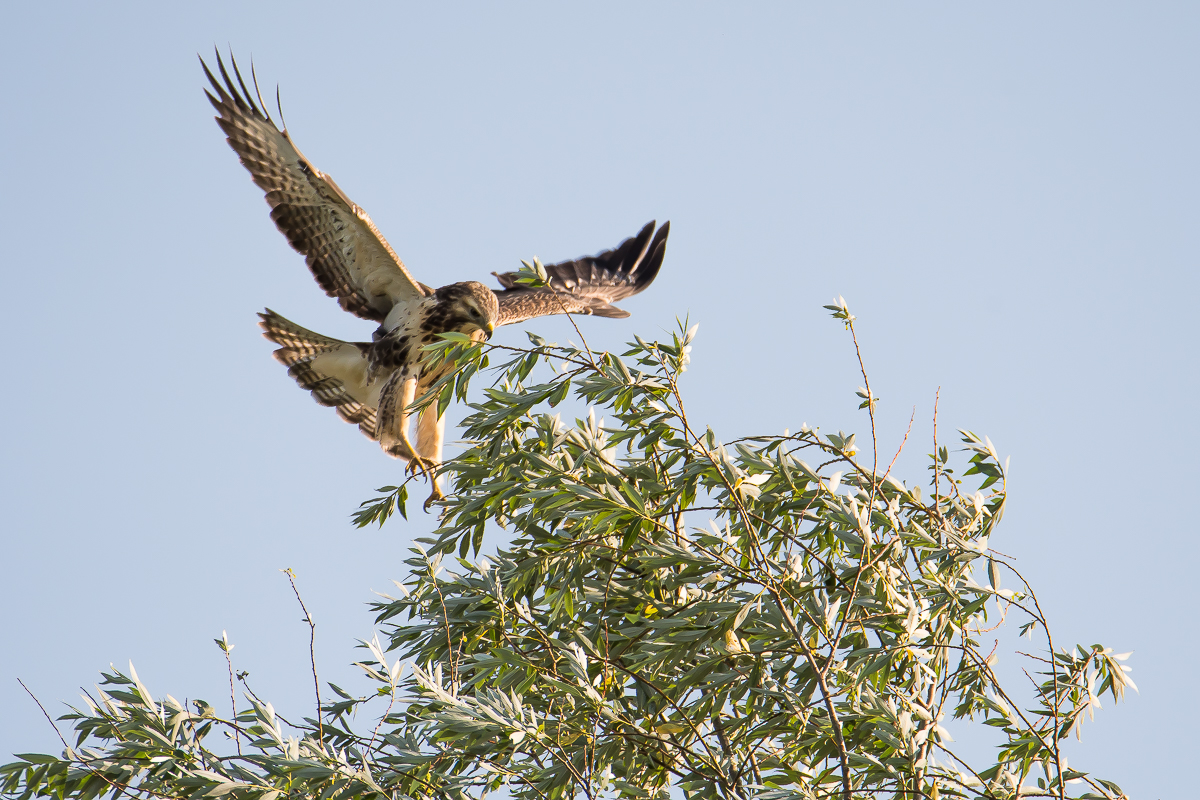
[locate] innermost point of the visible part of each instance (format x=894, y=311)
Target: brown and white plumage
x=343, y=248
x=591, y=284
x=372, y=384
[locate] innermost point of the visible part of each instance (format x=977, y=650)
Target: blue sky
x=1007, y=198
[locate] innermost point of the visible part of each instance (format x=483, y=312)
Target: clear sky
x=1006, y=196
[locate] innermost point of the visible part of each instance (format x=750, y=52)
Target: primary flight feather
x=372, y=384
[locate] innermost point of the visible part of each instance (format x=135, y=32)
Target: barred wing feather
x=345, y=251
x=588, y=285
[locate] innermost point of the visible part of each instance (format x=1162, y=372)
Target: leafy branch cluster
x=771, y=617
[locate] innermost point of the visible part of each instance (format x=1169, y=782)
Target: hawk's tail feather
x=335, y=372
x=296, y=342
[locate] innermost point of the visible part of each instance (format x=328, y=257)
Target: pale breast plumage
x=373, y=384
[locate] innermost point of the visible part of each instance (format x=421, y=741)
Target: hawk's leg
x=431, y=434
x=392, y=425
x=391, y=421
x=408, y=393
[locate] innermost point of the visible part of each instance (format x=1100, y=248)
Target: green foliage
x=670, y=611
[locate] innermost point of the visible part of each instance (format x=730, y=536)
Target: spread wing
x=343, y=248
x=588, y=285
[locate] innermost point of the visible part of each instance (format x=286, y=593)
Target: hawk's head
x=467, y=307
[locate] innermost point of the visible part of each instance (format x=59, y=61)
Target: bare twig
x=225, y=648
x=528, y=350
x=571, y=318
x=870, y=406
x=45, y=713
x=312, y=651
x=937, y=457
x=903, y=442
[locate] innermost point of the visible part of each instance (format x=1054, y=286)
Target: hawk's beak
x=489, y=329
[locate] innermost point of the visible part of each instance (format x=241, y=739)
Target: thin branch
x=45, y=713
x=586, y=347
x=937, y=467
x=232, y=699
x=1041, y=617
x=387, y=712
x=312, y=651
x=285, y=720
x=870, y=405
x=539, y=351
x=903, y=442
x=714, y=763
x=834, y=722
x=445, y=619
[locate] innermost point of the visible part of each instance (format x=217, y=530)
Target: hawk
x=373, y=384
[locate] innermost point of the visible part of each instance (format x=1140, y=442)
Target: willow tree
x=672, y=614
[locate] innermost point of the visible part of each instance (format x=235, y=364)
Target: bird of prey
x=373, y=384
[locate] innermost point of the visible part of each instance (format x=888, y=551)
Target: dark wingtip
x=257, y=91
x=505, y=279
x=279, y=106
x=646, y=270
x=230, y=88
x=212, y=79
x=642, y=239
x=242, y=82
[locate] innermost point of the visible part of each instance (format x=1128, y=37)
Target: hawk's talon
x=434, y=496
x=429, y=468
